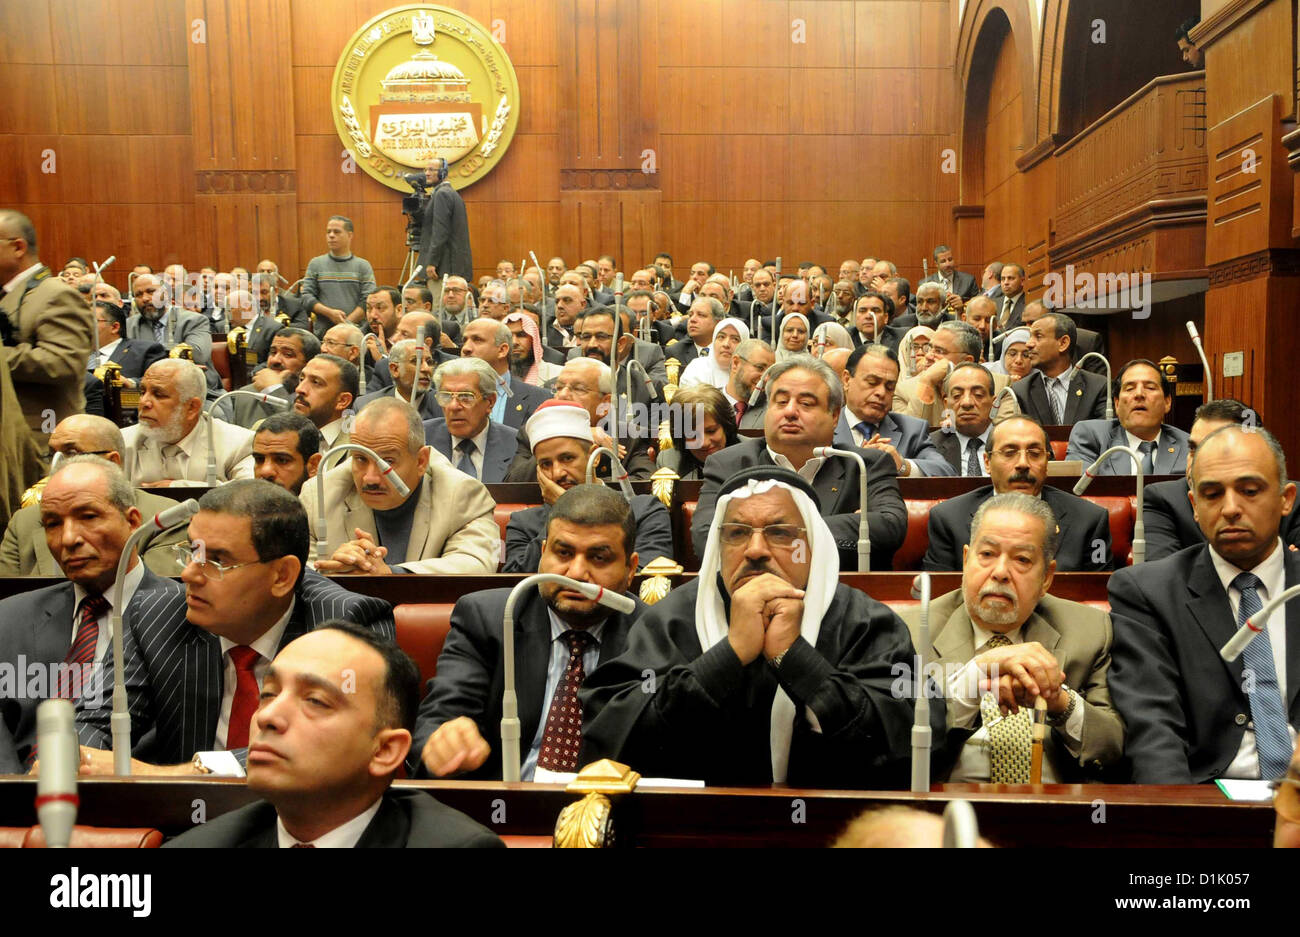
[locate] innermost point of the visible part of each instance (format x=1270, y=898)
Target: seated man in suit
x=466, y=390
x=155, y=319
x=514, y=401
x=369, y=521
x=599, y=322
x=947, y=275
x=1142, y=401
x=922, y=396
x=401, y=365
x=24, y=551
x=804, y=402
x=134, y=355
x=562, y=442
x=1191, y=717
x=560, y=638
x=262, y=323
x=194, y=660
x=287, y=451
x=1017, y=457
x=530, y=360
x=1167, y=506
x=931, y=309
x=169, y=446
x=324, y=751
x=1056, y=392
x=640, y=303
x=570, y=302
x=326, y=390
x=979, y=314
x=965, y=439
x=1087, y=339
x=872, y=312
x=749, y=362
x=703, y=318
x=1003, y=627
x=868, y=422
x=766, y=668
x=1011, y=302
x=345, y=341
x=408, y=330
x=290, y=350
x=85, y=516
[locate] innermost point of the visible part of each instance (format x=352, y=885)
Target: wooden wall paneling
x=764, y=28
x=1250, y=49
x=311, y=95
x=829, y=31
x=819, y=100
x=122, y=99
x=537, y=104
x=1248, y=211
x=248, y=228
x=530, y=30
x=529, y=172
x=128, y=32
x=36, y=109
x=322, y=177
x=27, y=36
x=754, y=99
x=693, y=34
x=746, y=229
x=24, y=183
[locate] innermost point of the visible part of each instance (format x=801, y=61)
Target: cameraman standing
x=444, y=231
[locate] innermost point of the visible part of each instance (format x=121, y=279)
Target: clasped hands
x=766, y=613
x=361, y=556
x=1018, y=674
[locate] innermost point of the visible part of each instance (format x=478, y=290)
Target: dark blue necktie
x=866, y=429
x=1272, y=739
x=466, y=449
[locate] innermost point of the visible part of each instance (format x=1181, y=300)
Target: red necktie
x=740, y=409
x=245, y=702
x=82, y=651
x=563, y=733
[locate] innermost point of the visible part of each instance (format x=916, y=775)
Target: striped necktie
x=1272, y=738
x=82, y=652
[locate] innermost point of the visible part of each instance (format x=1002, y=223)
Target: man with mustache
x=1016, y=458
x=1001, y=642
x=290, y=351
x=1192, y=717
x=766, y=668
x=326, y=390
x=1142, y=401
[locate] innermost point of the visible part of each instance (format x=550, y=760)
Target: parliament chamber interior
x=663, y=423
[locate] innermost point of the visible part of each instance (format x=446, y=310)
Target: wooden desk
x=1056, y=815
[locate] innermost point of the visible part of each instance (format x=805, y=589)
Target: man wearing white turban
x=766, y=669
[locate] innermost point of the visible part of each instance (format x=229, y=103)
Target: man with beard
x=749, y=361
x=1017, y=456
x=382, y=310
x=766, y=669
x=530, y=360
x=570, y=302
x=455, y=302
x=326, y=391
x=595, y=340
x=1003, y=628
x=290, y=351
x=155, y=319
x=259, y=317
x=170, y=445
x=562, y=442
x=286, y=450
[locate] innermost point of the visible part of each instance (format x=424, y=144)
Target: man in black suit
x=1167, y=508
x=325, y=750
x=1087, y=340
x=444, y=229
x=403, y=381
x=804, y=402
x=516, y=401
x=872, y=312
x=965, y=442
x=704, y=316
x=135, y=355
x=561, y=438
x=1191, y=717
x=192, y=667
x=1055, y=392
x=947, y=275
x=1017, y=457
x=560, y=638
x=87, y=512
x=1011, y=304
x=641, y=304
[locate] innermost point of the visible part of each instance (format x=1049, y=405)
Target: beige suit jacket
x=23, y=552
x=143, y=458
x=53, y=331
x=1078, y=636
x=907, y=399
x=453, y=530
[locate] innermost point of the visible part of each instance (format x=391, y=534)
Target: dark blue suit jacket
x=470, y=681
x=502, y=441
x=910, y=435
x=526, y=530
x=136, y=356
x=1183, y=705
x=37, y=626
x=1171, y=525
x=174, y=670
x=1090, y=438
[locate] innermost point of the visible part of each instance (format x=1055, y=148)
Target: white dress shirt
x=809, y=470
x=331, y=432
x=963, y=700
x=1058, y=389
x=341, y=837
x=103, y=354
x=266, y=646
x=963, y=452
x=1272, y=575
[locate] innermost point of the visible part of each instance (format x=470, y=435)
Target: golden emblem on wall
x=421, y=82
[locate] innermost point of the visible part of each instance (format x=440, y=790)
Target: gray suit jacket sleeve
x=1087, y=439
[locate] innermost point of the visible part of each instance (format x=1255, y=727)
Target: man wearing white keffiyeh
x=766, y=669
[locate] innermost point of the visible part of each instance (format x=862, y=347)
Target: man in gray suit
x=1141, y=404
x=476, y=445
x=1057, y=392
x=749, y=362
x=193, y=667
x=1004, y=627
x=87, y=513
x=156, y=320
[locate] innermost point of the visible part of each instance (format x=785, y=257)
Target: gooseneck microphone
x=279, y=403
x=1205, y=363
x=616, y=470
x=386, y=470
x=1139, y=525
x=921, y=711
x=56, y=786
x=864, y=531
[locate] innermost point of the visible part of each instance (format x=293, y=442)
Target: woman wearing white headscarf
x=766, y=667
x=1017, y=358
x=829, y=335
x=716, y=367
x=908, y=349
x=794, y=336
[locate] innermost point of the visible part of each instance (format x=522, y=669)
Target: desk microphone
x=56, y=787
x=1254, y=625
x=960, y=829
x=760, y=385
x=616, y=470
x=509, y=702
x=864, y=531
x=1110, y=401
x=386, y=470
x=278, y=403
x=1139, y=525
x=1200, y=350
x=921, y=715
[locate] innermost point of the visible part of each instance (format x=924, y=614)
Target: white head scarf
x=712, y=626
x=905, y=347
x=1011, y=338
x=779, y=348
x=708, y=370
x=836, y=335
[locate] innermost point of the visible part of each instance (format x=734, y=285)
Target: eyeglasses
x=1026, y=355
x=187, y=553
x=464, y=398
x=594, y=336
x=781, y=536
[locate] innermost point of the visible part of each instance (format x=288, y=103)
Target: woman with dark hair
x=707, y=425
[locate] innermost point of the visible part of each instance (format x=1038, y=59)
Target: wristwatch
x=776, y=661
x=1060, y=719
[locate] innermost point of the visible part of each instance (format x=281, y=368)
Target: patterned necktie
x=973, y=466
x=1147, y=450
x=1272, y=740
x=1007, y=303
x=1054, y=395
x=245, y=702
x=82, y=652
x=740, y=409
x=1010, y=736
x=563, y=734
x=303, y=846
x=466, y=449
